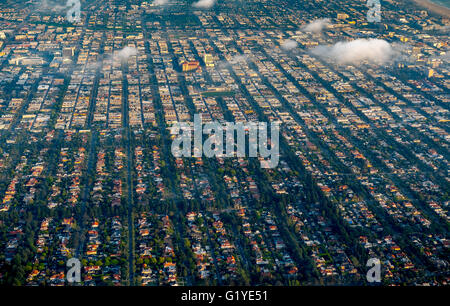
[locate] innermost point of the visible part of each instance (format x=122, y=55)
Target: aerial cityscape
x=341, y=108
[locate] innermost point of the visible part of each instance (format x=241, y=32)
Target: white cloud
x=126, y=52
x=233, y=61
x=160, y=2
x=376, y=51
x=239, y=58
x=317, y=25
x=206, y=4
x=50, y=5
x=289, y=44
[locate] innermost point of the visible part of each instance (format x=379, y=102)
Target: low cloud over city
x=289, y=44
x=126, y=53
x=204, y=4
x=375, y=51
x=317, y=26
